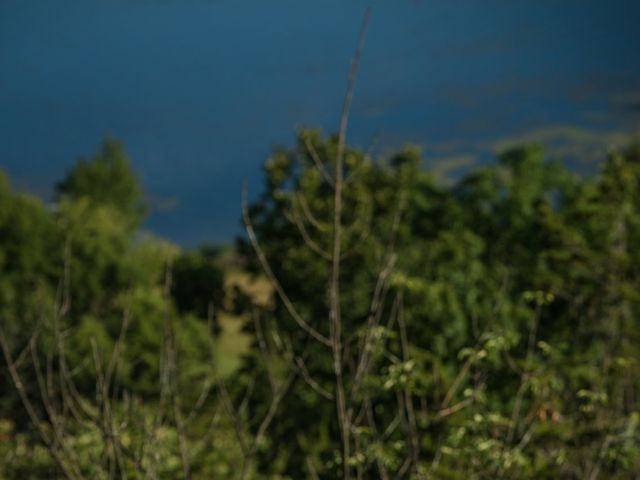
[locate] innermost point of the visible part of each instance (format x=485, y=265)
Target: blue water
x=199, y=91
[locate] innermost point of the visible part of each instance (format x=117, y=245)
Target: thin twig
x=272, y=278
x=313, y=153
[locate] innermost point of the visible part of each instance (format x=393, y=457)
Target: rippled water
x=199, y=91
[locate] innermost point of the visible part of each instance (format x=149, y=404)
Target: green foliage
x=106, y=180
x=78, y=278
x=518, y=296
x=499, y=317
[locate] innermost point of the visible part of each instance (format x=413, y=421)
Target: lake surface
x=200, y=91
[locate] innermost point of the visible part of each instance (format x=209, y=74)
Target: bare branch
x=334, y=290
x=309, y=214
x=68, y=471
x=351, y=84
x=272, y=278
x=295, y=219
x=445, y=412
x=302, y=369
x=313, y=153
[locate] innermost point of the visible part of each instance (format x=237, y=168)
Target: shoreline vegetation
x=489, y=326
x=372, y=323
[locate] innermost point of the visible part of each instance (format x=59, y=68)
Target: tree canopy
x=373, y=323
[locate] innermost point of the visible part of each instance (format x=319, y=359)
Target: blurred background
x=451, y=293
x=200, y=91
